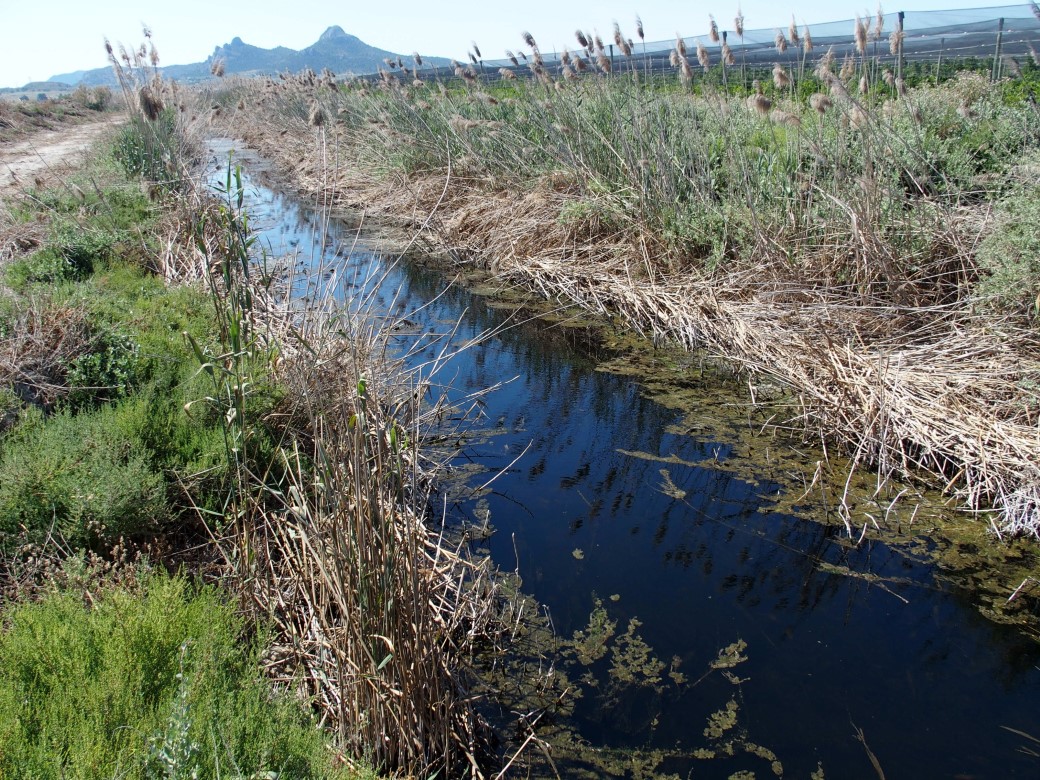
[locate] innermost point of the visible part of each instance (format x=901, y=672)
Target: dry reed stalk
x=842, y=359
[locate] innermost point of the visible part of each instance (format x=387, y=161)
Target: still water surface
x=662, y=515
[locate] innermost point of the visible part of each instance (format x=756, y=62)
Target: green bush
x=147, y=149
x=84, y=480
x=1010, y=256
x=158, y=681
x=110, y=370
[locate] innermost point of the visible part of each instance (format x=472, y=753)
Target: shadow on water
x=645, y=506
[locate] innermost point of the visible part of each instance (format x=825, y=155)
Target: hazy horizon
x=71, y=34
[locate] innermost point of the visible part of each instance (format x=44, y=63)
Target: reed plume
x=476, y=49
x=151, y=104
x=727, y=54
x=680, y=45
x=1035, y=9
x=316, y=118
x=780, y=41
x=639, y=28
x=860, y=35
x=760, y=104
x=507, y=74
x=807, y=45
x=512, y=58
x=781, y=79
x=889, y=78
x=864, y=85
x=713, y=31
x=738, y=23
x=529, y=40
x=582, y=40
x=895, y=42
x=217, y=68
x=792, y=33
x=819, y=103
x=417, y=59
x=879, y=23
x=702, y=56
x=848, y=68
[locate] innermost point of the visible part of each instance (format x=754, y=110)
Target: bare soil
x=48, y=154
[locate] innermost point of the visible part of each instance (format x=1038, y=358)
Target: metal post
x=938, y=65
x=996, y=52
x=899, y=53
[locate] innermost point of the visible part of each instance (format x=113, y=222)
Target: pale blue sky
x=46, y=37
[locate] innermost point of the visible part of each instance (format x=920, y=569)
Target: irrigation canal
x=651, y=500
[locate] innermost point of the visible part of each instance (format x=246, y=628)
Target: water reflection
x=611, y=500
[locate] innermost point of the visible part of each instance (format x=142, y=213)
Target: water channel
x=659, y=501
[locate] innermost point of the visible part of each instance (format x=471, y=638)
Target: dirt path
x=49, y=154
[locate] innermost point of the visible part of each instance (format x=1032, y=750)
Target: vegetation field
x=214, y=500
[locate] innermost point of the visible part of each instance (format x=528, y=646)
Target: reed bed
x=328, y=536
x=824, y=235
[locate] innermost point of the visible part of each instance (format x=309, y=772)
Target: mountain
x=336, y=50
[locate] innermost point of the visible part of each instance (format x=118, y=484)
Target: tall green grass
x=156, y=679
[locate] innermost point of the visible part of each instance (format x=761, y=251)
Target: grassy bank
x=858, y=239
x=163, y=396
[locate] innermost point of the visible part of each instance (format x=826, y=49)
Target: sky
x=47, y=37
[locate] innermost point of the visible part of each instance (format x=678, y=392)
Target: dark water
x=704, y=561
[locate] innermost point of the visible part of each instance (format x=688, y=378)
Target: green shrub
x=1010, y=256
x=110, y=370
x=158, y=681
x=84, y=480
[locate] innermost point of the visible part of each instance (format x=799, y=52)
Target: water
x=668, y=516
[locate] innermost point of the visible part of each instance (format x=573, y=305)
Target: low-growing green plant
x=80, y=480
x=158, y=679
x=109, y=370
x=1010, y=255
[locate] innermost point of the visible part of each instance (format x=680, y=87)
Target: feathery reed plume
x=582, y=40
x=819, y=103
x=713, y=31
x=1035, y=9
x=603, y=61
x=757, y=86
x=529, y=39
x=579, y=64
x=639, y=28
x=889, y=78
x=858, y=117
x=727, y=54
x=316, y=118
x=860, y=35
x=738, y=23
x=673, y=58
x=781, y=80
x=146, y=31
x=512, y=58
x=153, y=55
x=472, y=57
x=685, y=70
x=785, y=118
x=476, y=49
x=1013, y=67
x=864, y=85
x=702, y=56
x=806, y=38
x=150, y=104
x=507, y=74
x=760, y=104
x=108, y=50
x=895, y=42
x=217, y=68
x=824, y=68
x=848, y=68
x=599, y=42
x=792, y=33
x=621, y=41
x=680, y=45
x=901, y=87
x=780, y=41
x=417, y=59
x=565, y=57
x=879, y=23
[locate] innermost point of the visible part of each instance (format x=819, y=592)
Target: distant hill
x=336, y=50
x=54, y=85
